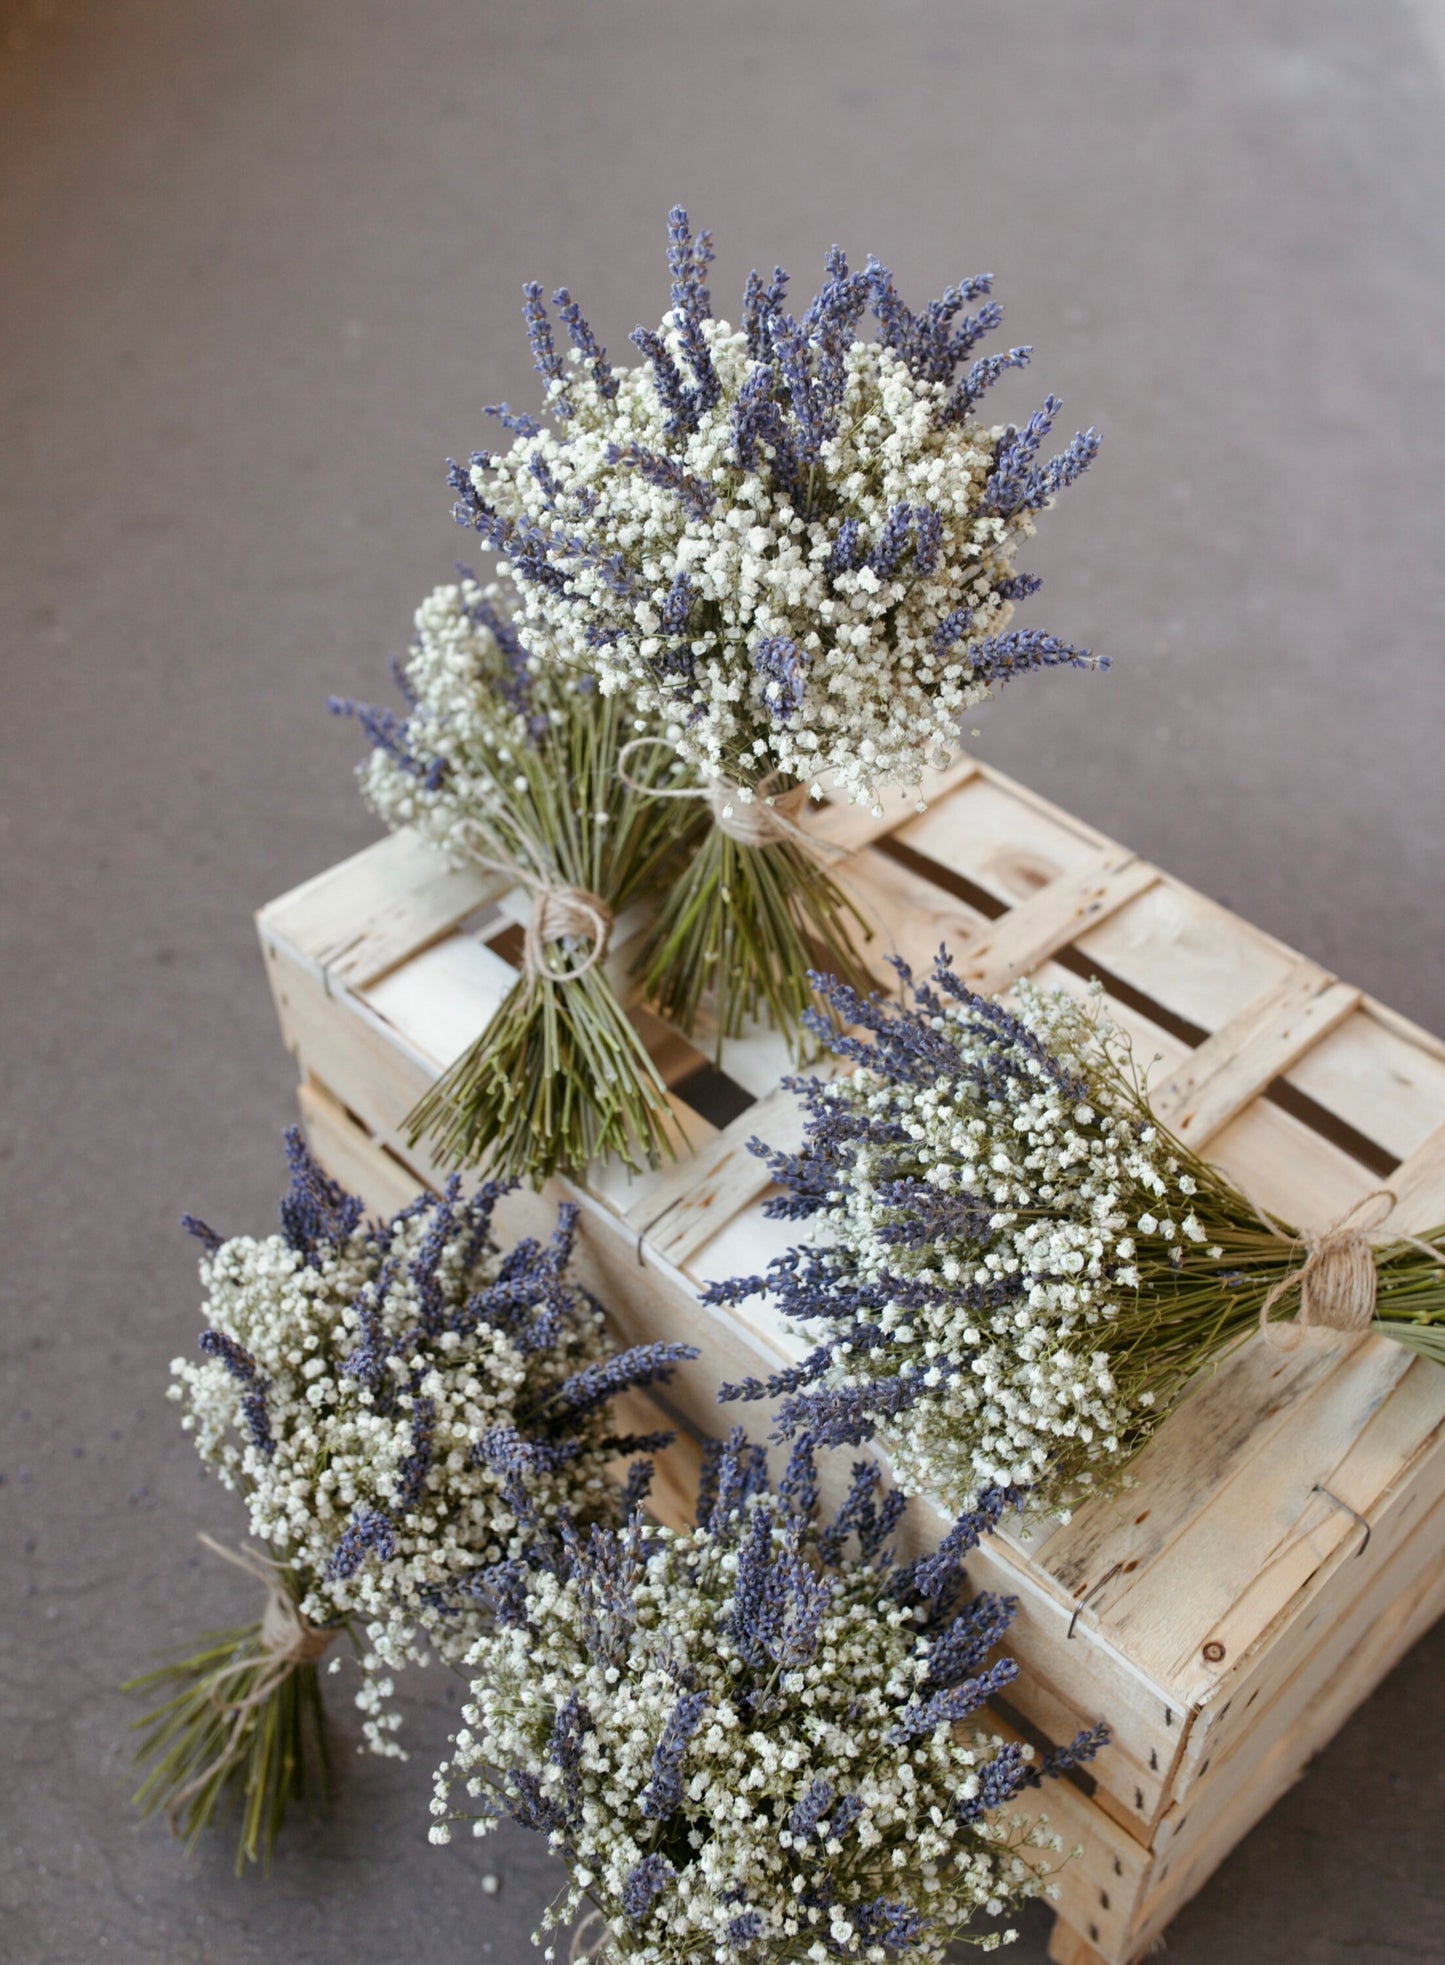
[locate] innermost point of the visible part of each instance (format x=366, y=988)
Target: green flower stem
x=1186, y=1315
x=743, y=926
x=558, y=1079
x=211, y=1746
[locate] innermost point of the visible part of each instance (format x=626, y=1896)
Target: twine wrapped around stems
x=556, y=914
x=1338, y=1281
x=760, y=820
x=287, y=1638
x=559, y=912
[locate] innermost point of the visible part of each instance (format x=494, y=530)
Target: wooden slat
x=849, y=828
x=1218, y=1430
x=1356, y=1579
x=1382, y=1082
x=1019, y=940
x=1187, y=953
x=1250, y=1051
x=1418, y=1185
x=908, y=915
x=374, y=910
x=1248, y=1528
x=697, y=1198
x=1278, y=1759
x=1006, y=843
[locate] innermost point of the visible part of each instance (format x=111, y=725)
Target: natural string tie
x=563, y=913
x=557, y=914
x=1338, y=1280
x=289, y=1641
x=760, y=817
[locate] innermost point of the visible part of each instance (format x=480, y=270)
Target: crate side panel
x=1245, y=1556
x=1282, y=1758
x=1362, y=1584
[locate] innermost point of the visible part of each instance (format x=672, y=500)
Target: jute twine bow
x=286, y=1637
x=556, y=914
x=1338, y=1279
x=760, y=819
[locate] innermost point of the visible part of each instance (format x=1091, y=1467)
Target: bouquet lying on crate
x=758, y=1737
x=1016, y=1268
x=376, y=1392
x=788, y=550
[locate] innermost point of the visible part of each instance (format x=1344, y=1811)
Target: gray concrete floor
x=261, y=266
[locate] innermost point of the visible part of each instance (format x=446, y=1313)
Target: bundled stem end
x=237, y=1728
x=560, y=1078
x=743, y=927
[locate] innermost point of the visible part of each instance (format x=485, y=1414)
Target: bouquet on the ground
x=790, y=551
x=376, y=1392
x=758, y=1738
x=511, y=763
x=1016, y=1268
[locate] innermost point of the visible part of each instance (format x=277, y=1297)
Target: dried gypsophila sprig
x=375, y=1391
x=1016, y=1269
x=760, y=1738
x=510, y=763
x=791, y=548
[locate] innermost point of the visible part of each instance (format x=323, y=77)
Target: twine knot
x=287, y=1635
x=557, y=914
x=1337, y=1281
x=760, y=815
x=761, y=820
x=289, y=1641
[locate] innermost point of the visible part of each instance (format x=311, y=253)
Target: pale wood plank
x=694, y=1200
x=1228, y=1419
x=1187, y=953
x=1383, y=1083
x=362, y=917
x=1284, y=1166
x=1391, y=1460
x=848, y=828
x=1356, y=1584
x=1418, y=1185
x=1037, y=928
x=1066, y=1947
x=1249, y=1523
x=908, y=915
x=1005, y=842
x=1251, y=1050
x=441, y=1000
x=1196, y=1849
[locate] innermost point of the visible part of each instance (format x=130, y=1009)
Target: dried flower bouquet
x=375, y=1392
x=511, y=763
x=1016, y=1269
x=790, y=551
x=759, y=1738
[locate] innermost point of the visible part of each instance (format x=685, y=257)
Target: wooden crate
x=1285, y=1541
